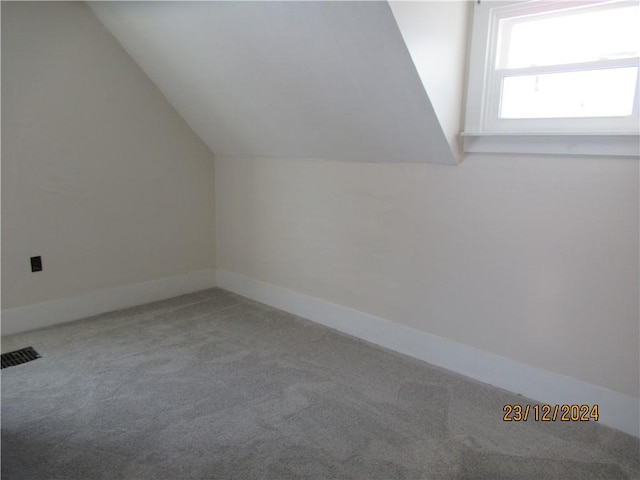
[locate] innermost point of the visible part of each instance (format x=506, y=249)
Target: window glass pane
x=574, y=36
x=589, y=93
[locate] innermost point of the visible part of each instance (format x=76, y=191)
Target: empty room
x=320, y=240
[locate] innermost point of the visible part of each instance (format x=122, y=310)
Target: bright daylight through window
x=562, y=68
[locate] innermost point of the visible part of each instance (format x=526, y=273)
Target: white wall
x=100, y=175
x=436, y=35
x=531, y=258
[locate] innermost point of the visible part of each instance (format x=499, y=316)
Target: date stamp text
x=550, y=413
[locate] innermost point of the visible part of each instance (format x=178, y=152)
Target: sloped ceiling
x=326, y=80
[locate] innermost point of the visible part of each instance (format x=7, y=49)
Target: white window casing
x=486, y=130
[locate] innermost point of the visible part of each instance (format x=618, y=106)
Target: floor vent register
x=17, y=357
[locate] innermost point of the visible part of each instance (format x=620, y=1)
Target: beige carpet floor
x=214, y=386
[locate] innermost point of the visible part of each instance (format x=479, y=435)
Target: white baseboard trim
x=45, y=314
x=616, y=410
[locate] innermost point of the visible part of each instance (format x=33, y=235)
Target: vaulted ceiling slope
x=326, y=80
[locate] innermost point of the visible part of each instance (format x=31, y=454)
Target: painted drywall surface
x=436, y=36
x=286, y=79
x=532, y=258
x=100, y=175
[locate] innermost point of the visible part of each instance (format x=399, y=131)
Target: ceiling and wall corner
x=436, y=36
x=324, y=80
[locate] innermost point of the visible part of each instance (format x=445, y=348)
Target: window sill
x=603, y=144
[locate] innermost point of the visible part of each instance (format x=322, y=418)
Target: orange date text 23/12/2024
x=550, y=413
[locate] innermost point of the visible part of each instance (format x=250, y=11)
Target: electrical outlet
x=36, y=264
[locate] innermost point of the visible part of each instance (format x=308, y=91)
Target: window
x=554, y=77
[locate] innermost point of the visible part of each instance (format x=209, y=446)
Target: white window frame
x=486, y=132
